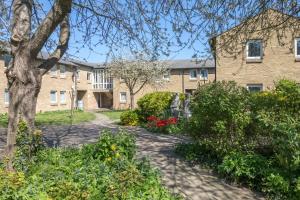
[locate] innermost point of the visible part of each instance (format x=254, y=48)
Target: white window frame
x=6, y=97
x=53, y=71
x=54, y=102
x=89, y=76
x=60, y=99
x=295, y=46
x=62, y=75
x=261, y=50
x=193, y=78
x=260, y=85
x=121, y=100
x=167, y=75
x=201, y=77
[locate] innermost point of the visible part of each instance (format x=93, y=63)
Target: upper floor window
x=255, y=87
x=254, y=49
x=53, y=71
x=62, y=71
x=166, y=76
x=53, y=96
x=204, y=74
x=193, y=74
x=6, y=96
x=78, y=74
x=88, y=76
x=297, y=48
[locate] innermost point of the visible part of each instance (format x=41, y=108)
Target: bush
x=129, y=118
x=220, y=112
x=154, y=104
x=104, y=170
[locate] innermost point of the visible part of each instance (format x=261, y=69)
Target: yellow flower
x=108, y=159
x=113, y=147
x=117, y=155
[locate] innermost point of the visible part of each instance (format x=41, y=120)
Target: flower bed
x=160, y=125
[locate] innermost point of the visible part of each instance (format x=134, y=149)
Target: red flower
x=172, y=120
x=152, y=118
x=162, y=123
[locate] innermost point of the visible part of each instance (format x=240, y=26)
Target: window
x=255, y=87
x=166, y=76
x=62, y=71
x=204, y=74
x=88, y=76
x=53, y=96
x=53, y=71
x=123, y=97
x=62, y=97
x=193, y=74
x=78, y=74
x=7, y=59
x=297, y=48
x=254, y=49
x=6, y=96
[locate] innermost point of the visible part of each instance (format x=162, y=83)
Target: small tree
x=137, y=73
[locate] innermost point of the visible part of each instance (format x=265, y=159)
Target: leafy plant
x=129, y=117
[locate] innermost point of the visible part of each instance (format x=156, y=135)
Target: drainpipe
x=75, y=87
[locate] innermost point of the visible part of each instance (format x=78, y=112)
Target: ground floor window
x=62, y=97
x=123, y=97
x=255, y=87
x=53, y=96
x=6, y=96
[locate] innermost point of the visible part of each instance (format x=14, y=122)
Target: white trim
x=55, y=96
x=193, y=70
x=261, y=50
x=295, y=47
x=123, y=101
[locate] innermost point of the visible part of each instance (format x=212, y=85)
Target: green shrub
x=129, y=118
x=86, y=173
x=220, y=113
x=154, y=104
x=246, y=168
x=276, y=187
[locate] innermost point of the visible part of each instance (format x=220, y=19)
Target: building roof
x=189, y=64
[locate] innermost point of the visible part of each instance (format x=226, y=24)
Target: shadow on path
x=192, y=182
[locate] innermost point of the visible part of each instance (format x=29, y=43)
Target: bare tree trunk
x=25, y=73
x=131, y=101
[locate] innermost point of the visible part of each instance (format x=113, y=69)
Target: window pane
x=62, y=69
x=6, y=96
x=298, y=47
x=62, y=96
x=123, y=96
x=204, y=73
x=254, y=48
x=254, y=88
x=53, y=96
x=193, y=74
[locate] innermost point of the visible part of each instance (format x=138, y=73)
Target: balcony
x=102, y=81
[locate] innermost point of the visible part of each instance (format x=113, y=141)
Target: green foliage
x=105, y=170
x=255, y=136
x=247, y=168
x=129, y=118
x=220, y=112
x=154, y=104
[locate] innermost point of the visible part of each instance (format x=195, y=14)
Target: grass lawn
x=113, y=115
x=55, y=118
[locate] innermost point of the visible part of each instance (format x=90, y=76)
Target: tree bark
x=131, y=100
x=25, y=73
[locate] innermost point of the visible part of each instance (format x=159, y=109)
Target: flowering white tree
x=137, y=73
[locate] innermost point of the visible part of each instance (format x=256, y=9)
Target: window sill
x=63, y=77
x=253, y=60
x=193, y=79
x=6, y=105
x=123, y=102
x=53, y=76
x=297, y=59
x=53, y=104
x=63, y=104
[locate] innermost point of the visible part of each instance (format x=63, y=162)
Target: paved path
x=192, y=182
